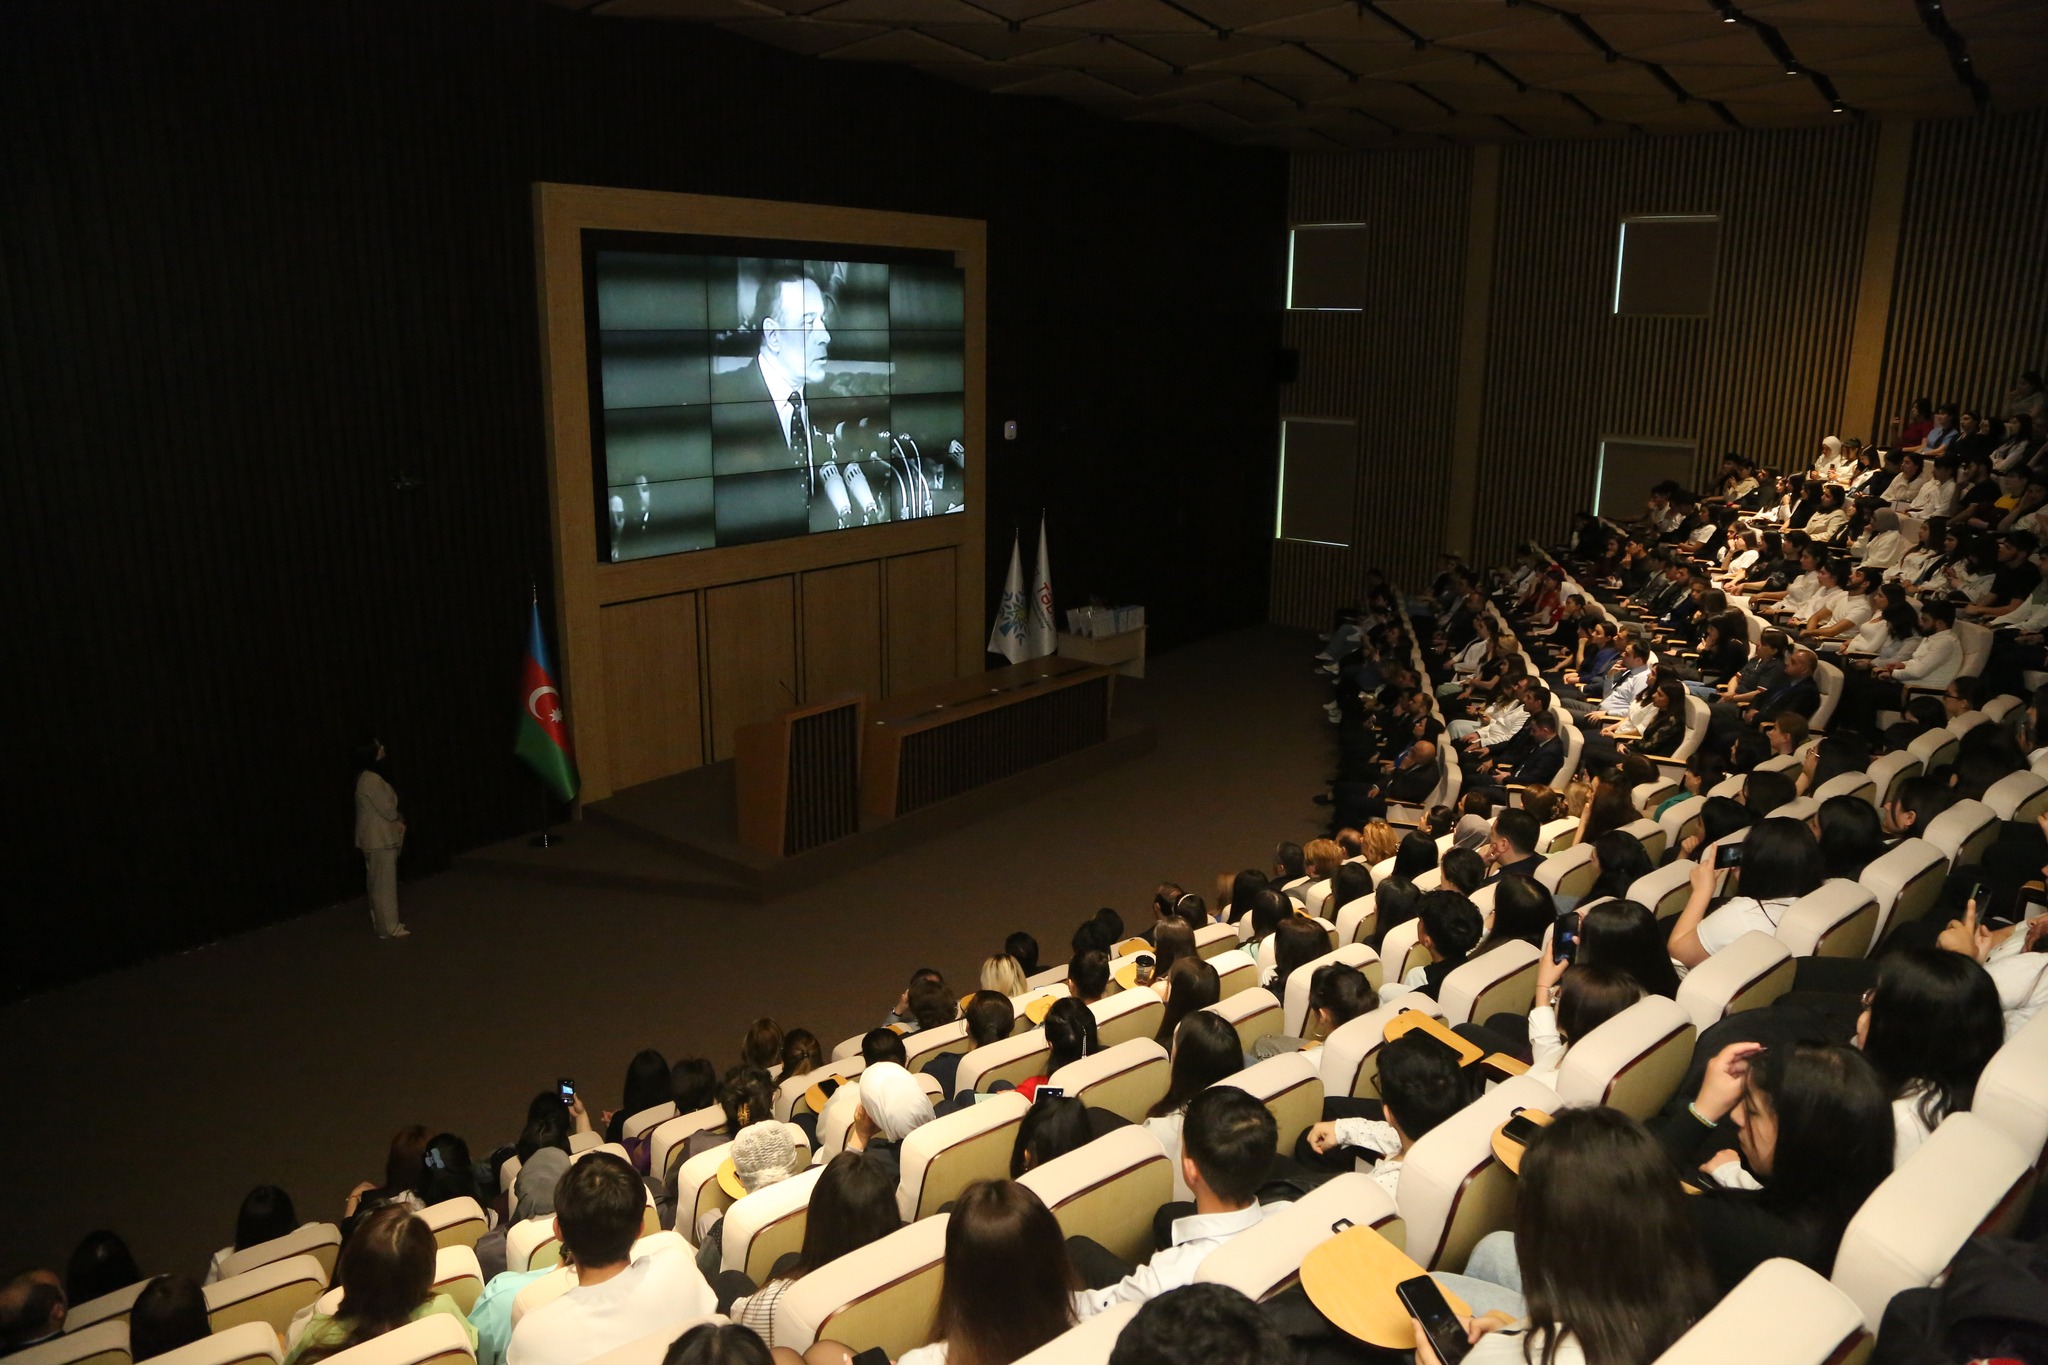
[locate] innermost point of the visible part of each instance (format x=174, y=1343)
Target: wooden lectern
x=798, y=777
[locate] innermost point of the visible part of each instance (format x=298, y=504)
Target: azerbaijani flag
x=543, y=740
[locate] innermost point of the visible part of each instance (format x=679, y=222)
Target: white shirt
x=1376, y=1136
x=2028, y=615
x=1831, y=600
x=657, y=1293
x=1827, y=525
x=1936, y=498
x=1802, y=590
x=1884, y=549
x=1505, y=1348
x=780, y=386
x=934, y=1354
x=1935, y=662
x=1504, y=726
x=1902, y=490
x=1167, y=1128
x=1912, y=564
x=1546, y=1045
x=2022, y=981
x=1194, y=1237
x=1738, y=917
x=1617, y=701
x=1908, y=1132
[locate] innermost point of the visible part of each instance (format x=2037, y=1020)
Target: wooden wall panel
x=1970, y=305
x=750, y=638
x=651, y=702
x=921, y=628
x=1764, y=375
x=842, y=631
x=1392, y=367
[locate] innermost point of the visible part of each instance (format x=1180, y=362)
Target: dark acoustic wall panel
x=824, y=779
x=269, y=400
x=1391, y=367
x=1763, y=375
x=988, y=746
x=1970, y=301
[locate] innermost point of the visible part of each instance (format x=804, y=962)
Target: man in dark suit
x=1411, y=783
x=1799, y=691
x=765, y=451
x=1513, y=846
x=1541, y=761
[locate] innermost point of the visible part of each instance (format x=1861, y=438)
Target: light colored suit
x=380, y=832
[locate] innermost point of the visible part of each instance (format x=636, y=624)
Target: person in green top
x=386, y=1273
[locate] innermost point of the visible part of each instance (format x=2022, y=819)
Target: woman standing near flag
x=380, y=833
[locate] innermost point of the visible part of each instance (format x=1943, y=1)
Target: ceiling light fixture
x=1839, y=107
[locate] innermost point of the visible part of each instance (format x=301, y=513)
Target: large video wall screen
x=744, y=391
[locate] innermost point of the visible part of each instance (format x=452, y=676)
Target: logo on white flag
x=1007, y=636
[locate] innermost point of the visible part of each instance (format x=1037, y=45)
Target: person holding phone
x=1780, y=862
x=1613, y=1271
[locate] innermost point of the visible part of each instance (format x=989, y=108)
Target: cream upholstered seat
x=1568, y=875
x=1021, y=1005
x=1963, y=832
x=1828, y=678
x=762, y=1226
x=1358, y=919
x=1966, y=722
x=435, y=1339
x=1847, y=784
x=269, y=1294
x=881, y=1295
x=106, y=1307
x=455, y=1222
x=1650, y=834
x=698, y=1191
x=252, y=1343
x=1401, y=950
x=920, y=1047
x=321, y=1241
x=562, y=1278
x=1087, y=1342
x=2012, y=1092
x=104, y=1342
x=1431, y=880
x=1781, y=763
x=458, y=1275
x=1935, y=749
x=1127, y=1079
x=1633, y=1062
x=641, y=1124
x=1348, y=1062
x=1294, y=1022
x=1263, y=1260
x=666, y=1140
x=1729, y=786
x=2001, y=706
x=532, y=1243
x=1906, y=882
x=1965, y=1179
x=1681, y=818
x=1781, y=1314
x=1501, y=980
x=953, y=1151
x=1697, y=714
x=1108, y=1190
x=1127, y=1015
x=1212, y=939
x=2018, y=796
x=1664, y=891
x=1557, y=836
x=1798, y=808
x=1235, y=971
x=1887, y=771
x=651, y=1349
x=1647, y=796
x=1837, y=920
x=1289, y=1087
x=792, y=1093
x=1746, y=975
x=1015, y=1059
x=1255, y=1014
x=1453, y=1190
x=579, y=1143
x=834, y=1126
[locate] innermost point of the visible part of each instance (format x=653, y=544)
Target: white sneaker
x=400, y=932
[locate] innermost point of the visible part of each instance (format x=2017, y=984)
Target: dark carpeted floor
x=149, y=1100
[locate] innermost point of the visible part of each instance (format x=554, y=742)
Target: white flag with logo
x=1007, y=636
x=1041, y=636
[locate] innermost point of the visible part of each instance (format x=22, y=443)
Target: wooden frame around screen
x=583, y=583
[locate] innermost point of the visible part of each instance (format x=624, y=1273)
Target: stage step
x=592, y=853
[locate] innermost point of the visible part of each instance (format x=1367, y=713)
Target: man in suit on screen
x=764, y=447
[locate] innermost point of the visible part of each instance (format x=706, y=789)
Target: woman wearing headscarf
x=892, y=1107
x=533, y=1196
x=1883, y=547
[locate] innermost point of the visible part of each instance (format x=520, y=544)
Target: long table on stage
x=921, y=747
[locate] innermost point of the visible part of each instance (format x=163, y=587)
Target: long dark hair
x=1243, y=887
x=647, y=1082
x=1850, y=835
x=1623, y=935
x=169, y=1313
x=1192, y=986
x=1522, y=909
x=266, y=1214
x=1395, y=902
x=1609, y=1250
x=718, y=1343
x=1070, y=1029
x=1781, y=860
x=1622, y=863
x=1351, y=881
x=853, y=1204
x=1206, y=1049
x=386, y=1272
x=1834, y=1138
x=1172, y=941
x=1935, y=1020
x=1296, y=943
x=1008, y=1286
x=1051, y=1128
x=1416, y=855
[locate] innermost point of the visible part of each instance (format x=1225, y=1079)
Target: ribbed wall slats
x=1391, y=368
x=1970, y=301
x=1763, y=375
x=824, y=779
x=989, y=746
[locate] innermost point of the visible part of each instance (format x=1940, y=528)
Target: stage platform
x=679, y=835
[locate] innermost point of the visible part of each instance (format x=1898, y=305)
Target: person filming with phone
x=1778, y=861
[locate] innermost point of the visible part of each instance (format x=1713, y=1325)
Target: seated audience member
x=1323, y=857
x=1110, y=925
x=403, y=1164
x=1814, y=1136
x=1227, y=1142
x=1451, y=929
x=1290, y=867
x=1464, y=871
x=802, y=1054
x=1088, y=977
x=533, y=1196
x=1624, y=936
x=876, y=1046
x=719, y=1343
x=747, y=1096
x=447, y=1172
x=1799, y=691
x=1829, y=759
x=761, y=1045
x=169, y=1313
x=1240, y=891
x=900, y=1017
x=1007, y=1287
x=1764, y=792
x=762, y=1155
x=32, y=1310
x=386, y=1274
x=931, y=1004
x=893, y=1105
x=99, y=1264
x=1070, y=1033
x=853, y=1204
x=1337, y=994
x=1781, y=861
x=1620, y=861
x=1192, y=985
x=1421, y=1085
x=1352, y=883
x=1192, y=910
x=1570, y=1003
x=1475, y=821
x=693, y=1085
x=1523, y=909
x=616, y=1300
x=1051, y=1128
x=1929, y=1026
x=1269, y=908
x=1201, y=1324
x=266, y=1214
x=647, y=1085
x=1297, y=942
x=1851, y=835
x=990, y=1019
x=1024, y=948
x=1534, y=766
x=1603, y=1251
x=1205, y=1050
x=2012, y=957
